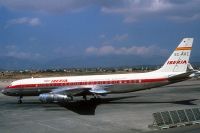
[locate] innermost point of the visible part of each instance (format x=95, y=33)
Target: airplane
x=64, y=89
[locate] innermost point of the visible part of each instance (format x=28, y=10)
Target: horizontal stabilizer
x=180, y=77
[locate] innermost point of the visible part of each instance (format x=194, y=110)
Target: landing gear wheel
x=96, y=96
x=71, y=98
x=20, y=100
x=85, y=97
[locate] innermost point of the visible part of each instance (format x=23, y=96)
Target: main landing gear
x=20, y=99
x=85, y=97
x=94, y=95
x=71, y=98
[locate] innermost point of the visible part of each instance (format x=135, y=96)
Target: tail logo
x=177, y=62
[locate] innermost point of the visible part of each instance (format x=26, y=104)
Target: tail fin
x=179, y=59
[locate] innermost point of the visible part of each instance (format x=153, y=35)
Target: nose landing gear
x=20, y=99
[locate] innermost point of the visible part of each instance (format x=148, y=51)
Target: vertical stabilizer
x=179, y=59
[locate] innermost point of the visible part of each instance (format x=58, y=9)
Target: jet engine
x=49, y=98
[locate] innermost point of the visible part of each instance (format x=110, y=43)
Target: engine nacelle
x=49, y=98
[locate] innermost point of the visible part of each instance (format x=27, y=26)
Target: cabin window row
x=82, y=83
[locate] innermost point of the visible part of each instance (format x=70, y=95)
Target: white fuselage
x=114, y=83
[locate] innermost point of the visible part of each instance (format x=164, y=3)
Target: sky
x=38, y=34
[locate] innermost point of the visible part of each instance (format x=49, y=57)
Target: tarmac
x=116, y=113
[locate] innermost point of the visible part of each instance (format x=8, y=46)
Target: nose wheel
x=20, y=100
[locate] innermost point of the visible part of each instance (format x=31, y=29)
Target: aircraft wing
x=70, y=91
x=79, y=90
x=65, y=93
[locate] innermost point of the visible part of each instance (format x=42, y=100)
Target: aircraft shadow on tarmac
x=88, y=107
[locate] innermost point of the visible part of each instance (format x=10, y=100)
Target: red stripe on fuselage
x=136, y=81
